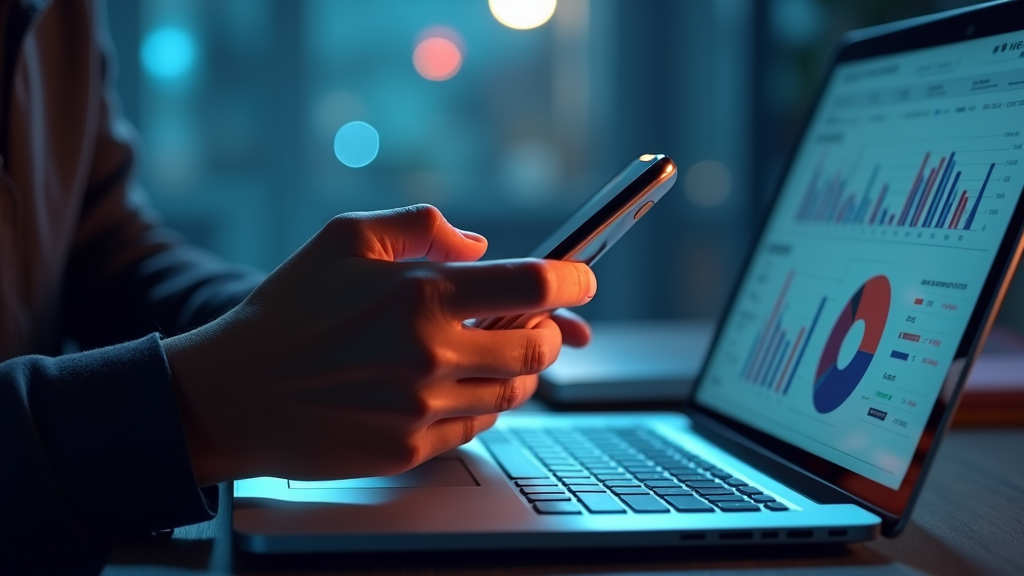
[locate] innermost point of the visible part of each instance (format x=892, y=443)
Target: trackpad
x=436, y=473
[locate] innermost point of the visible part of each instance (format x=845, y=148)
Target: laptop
x=833, y=373
x=629, y=361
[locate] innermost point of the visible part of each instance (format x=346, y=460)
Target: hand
x=348, y=362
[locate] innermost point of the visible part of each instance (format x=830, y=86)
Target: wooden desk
x=970, y=520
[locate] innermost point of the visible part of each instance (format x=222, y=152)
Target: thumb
x=418, y=231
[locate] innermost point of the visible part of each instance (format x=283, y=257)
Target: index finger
x=517, y=286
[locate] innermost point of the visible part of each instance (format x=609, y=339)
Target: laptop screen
x=872, y=261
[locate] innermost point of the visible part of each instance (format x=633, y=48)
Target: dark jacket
x=91, y=443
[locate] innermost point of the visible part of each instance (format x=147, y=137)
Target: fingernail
x=592, y=285
x=472, y=236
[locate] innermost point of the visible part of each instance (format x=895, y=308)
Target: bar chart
x=779, y=346
x=933, y=199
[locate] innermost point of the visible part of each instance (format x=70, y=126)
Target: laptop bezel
x=894, y=506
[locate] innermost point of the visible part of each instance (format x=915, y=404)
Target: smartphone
x=601, y=220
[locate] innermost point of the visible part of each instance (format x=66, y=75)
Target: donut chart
x=832, y=385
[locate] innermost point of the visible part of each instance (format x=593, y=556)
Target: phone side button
x=643, y=209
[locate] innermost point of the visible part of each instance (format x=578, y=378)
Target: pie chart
x=870, y=304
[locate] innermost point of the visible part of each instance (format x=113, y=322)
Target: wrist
x=190, y=375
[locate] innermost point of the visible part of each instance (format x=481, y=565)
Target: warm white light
x=522, y=14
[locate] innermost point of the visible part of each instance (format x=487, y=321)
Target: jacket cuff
x=112, y=426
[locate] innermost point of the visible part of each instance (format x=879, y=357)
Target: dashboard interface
x=873, y=259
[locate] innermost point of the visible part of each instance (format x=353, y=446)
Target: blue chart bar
x=773, y=348
x=778, y=363
x=803, y=348
x=899, y=355
x=937, y=200
x=974, y=209
x=761, y=345
x=948, y=204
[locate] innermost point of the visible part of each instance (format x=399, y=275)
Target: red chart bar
x=769, y=325
x=960, y=206
x=789, y=361
x=913, y=188
x=928, y=191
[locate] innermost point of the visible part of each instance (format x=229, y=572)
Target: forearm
x=98, y=449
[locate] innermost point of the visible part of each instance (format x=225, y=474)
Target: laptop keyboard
x=606, y=471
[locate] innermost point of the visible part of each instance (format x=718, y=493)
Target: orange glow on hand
x=437, y=58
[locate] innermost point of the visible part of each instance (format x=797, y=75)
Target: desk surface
x=969, y=520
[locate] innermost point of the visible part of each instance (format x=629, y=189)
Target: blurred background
x=261, y=119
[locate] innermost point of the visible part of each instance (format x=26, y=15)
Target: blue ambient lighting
x=356, y=144
x=168, y=53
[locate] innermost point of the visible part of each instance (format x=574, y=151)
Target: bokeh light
x=356, y=144
x=168, y=53
x=708, y=183
x=522, y=14
x=437, y=58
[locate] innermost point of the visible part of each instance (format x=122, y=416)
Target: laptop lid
x=882, y=262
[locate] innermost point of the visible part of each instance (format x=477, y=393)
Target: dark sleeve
x=93, y=449
x=128, y=276
x=92, y=445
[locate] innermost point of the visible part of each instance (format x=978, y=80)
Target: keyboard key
x=738, y=506
x=547, y=497
x=625, y=491
x=552, y=462
x=580, y=474
x=719, y=473
x=735, y=482
x=623, y=483
x=564, y=468
x=606, y=470
x=661, y=484
x=713, y=491
x=542, y=490
x=613, y=477
x=644, y=503
x=688, y=504
x=651, y=476
x=601, y=504
x=704, y=484
x=667, y=463
x=581, y=481
x=673, y=492
x=557, y=508
x=749, y=490
x=643, y=469
x=579, y=489
x=762, y=498
x=514, y=461
x=690, y=477
x=776, y=506
x=684, y=470
x=630, y=462
x=536, y=482
x=727, y=498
